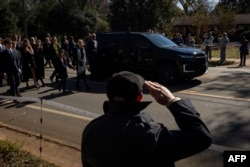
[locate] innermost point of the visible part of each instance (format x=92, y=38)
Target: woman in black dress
x=29, y=65
x=39, y=60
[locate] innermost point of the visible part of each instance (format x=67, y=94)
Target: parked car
x=152, y=55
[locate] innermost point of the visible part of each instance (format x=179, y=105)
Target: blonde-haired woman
x=80, y=64
x=29, y=65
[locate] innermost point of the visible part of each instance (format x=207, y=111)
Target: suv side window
x=140, y=49
x=118, y=45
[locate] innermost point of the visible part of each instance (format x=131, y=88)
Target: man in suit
x=91, y=51
x=11, y=68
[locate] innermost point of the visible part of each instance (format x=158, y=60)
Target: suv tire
x=167, y=73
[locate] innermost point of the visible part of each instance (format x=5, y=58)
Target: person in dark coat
x=126, y=136
x=62, y=64
x=47, y=52
x=12, y=68
x=91, y=51
x=54, y=53
x=65, y=44
x=2, y=48
x=71, y=47
x=243, y=51
x=39, y=60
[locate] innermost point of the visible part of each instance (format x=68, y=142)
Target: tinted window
x=160, y=40
x=139, y=41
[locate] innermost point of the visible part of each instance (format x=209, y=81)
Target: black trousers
x=1, y=79
x=243, y=57
x=62, y=84
x=14, y=82
x=79, y=77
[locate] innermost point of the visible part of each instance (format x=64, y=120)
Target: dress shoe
x=19, y=95
x=8, y=92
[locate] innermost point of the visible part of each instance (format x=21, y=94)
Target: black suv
x=150, y=54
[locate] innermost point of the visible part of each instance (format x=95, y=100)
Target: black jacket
x=124, y=136
x=61, y=66
x=11, y=63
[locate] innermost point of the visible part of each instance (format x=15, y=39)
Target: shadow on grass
x=213, y=63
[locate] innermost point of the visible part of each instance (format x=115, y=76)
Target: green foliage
x=8, y=150
x=239, y=6
x=226, y=18
x=12, y=155
x=201, y=24
x=38, y=17
x=79, y=17
x=8, y=22
x=247, y=34
x=140, y=15
x=244, y=6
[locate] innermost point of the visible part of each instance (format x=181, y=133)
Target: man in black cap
x=127, y=137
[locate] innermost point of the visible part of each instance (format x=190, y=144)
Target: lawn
x=232, y=53
x=11, y=155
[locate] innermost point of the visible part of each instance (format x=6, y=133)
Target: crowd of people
x=30, y=56
x=223, y=41
x=208, y=42
x=25, y=59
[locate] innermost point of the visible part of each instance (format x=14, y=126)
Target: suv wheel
x=167, y=73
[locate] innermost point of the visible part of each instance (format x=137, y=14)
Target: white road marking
x=215, y=96
x=60, y=112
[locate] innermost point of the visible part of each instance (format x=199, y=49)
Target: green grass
x=11, y=155
x=232, y=52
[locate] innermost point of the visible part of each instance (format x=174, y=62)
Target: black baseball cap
x=125, y=84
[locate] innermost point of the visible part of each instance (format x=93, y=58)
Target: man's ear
x=139, y=97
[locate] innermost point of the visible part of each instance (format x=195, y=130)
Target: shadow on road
x=235, y=82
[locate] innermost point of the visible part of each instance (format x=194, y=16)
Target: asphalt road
x=222, y=97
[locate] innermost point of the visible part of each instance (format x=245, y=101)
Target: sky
x=213, y=2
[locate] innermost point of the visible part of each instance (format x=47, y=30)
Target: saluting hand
x=160, y=93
